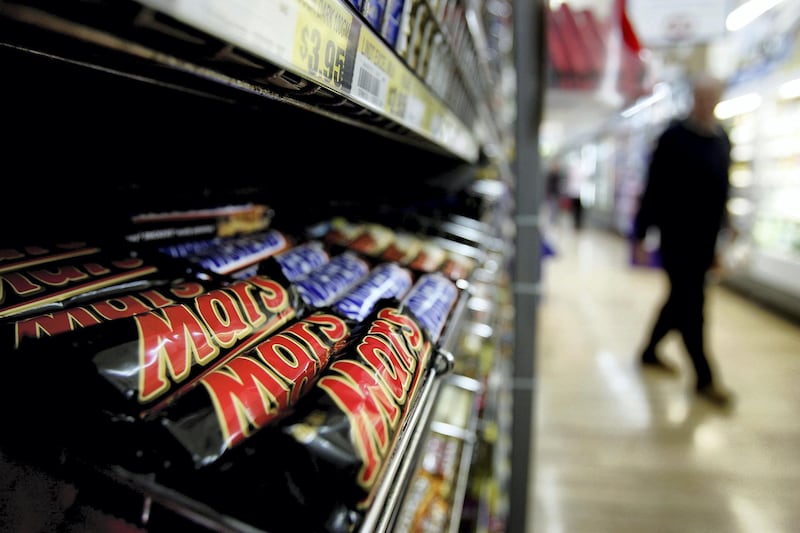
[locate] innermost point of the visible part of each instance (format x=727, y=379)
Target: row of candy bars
x=186, y=370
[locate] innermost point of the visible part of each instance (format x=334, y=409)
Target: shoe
x=715, y=395
x=653, y=362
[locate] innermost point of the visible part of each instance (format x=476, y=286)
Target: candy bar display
x=244, y=327
x=128, y=365
x=317, y=351
x=344, y=430
x=257, y=387
x=419, y=252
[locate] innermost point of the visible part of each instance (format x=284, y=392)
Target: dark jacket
x=686, y=194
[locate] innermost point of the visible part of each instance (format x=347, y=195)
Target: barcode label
x=370, y=83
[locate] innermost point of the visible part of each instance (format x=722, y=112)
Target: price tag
x=373, y=71
x=400, y=86
x=375, y=67
x=322, y=38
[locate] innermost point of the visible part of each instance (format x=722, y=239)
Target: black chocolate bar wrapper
x=232, y=403
x=319, y=465
x=37, y=284
x=21, y=332
x=349, y=422
x=129, y=366
x=27, y=257
x=226, y=406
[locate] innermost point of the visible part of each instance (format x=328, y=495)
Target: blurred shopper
x=553, y=185
x=574, y=186
x=685, y=199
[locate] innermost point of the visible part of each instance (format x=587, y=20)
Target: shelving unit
x=765, y=259
x=117, y=108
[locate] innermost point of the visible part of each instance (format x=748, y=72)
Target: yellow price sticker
x=431, y=116
x=321, y=40
x=400, y=87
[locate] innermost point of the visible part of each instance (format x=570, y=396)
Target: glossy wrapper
x=385, y=280
x=232, y=402
x=318, y=467
x=20, y=333
x=431, y=299
x=324, y=285
x=36, y=280
x=128, y=366
x=350, y=421
x=234, y=256
x=300, y=260
x=250, y=391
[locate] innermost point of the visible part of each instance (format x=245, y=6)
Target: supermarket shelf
x=469, y=438
x=389, y=495
x=140, y=492
x=356, y=62
x=360, y=81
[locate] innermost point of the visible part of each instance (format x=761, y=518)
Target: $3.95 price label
x=321, y=40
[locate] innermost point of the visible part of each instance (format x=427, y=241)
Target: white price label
x=370, y=83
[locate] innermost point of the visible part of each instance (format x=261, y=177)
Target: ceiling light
x=748, y=12
x=790, y=89
x=736, y=106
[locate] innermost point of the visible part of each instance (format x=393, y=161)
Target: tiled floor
x=621, y=450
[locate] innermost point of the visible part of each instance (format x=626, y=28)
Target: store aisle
x=621, y=450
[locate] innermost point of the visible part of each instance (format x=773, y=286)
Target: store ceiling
x=591, y=72
x=570, y=116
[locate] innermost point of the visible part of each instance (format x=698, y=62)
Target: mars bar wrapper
x=349, y=422
x=251, y=390
x=35, y=288
x=128, y=366
x=231, y=403
x=23, y=332
x=29, y=256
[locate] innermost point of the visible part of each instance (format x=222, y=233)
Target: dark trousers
x=683, y=311
x=577, y=212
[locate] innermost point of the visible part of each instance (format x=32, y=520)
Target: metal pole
x=529, y=56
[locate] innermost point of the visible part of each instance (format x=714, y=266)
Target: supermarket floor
x=621, y=450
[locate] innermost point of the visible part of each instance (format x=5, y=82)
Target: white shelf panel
x=328, y=43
